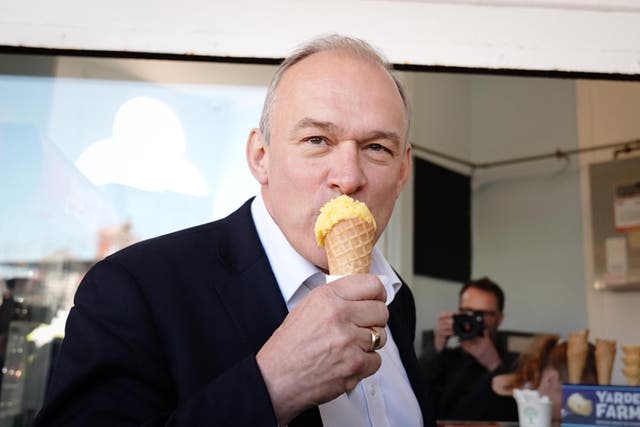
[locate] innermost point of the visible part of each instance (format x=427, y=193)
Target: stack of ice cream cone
x=631, y=364
x=605, y=356
x=577, y=351
x=346, y=228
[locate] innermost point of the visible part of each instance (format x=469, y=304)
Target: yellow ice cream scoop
x=339, y=209
x=346, y=228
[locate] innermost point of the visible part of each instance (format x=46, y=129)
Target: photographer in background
x=466, y=356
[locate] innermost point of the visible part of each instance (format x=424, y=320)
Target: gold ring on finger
x=375, y=339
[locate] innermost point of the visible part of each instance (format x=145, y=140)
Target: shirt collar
x=291, y=269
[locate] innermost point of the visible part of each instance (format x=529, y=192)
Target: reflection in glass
x=89, y=166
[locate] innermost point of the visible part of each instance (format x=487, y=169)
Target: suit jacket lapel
x=250, y=291
x=248, y=287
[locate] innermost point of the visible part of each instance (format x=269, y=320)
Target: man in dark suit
x=231, y=323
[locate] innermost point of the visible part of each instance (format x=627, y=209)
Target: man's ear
x=258, y=156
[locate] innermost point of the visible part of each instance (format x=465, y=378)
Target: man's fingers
x=369, y=365
x=445, y=323
x=445, y=319
x=371, y=339
x=365, y=298
x=445, y=315
x=369, y=313
x=358, y=287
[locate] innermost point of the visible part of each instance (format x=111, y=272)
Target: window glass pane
x=96, y=154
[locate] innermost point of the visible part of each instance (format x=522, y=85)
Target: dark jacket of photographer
x=460, y=387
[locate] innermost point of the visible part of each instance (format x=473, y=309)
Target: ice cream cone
x=630, y=349
x=349, y=245
x=631, y=359
x=605, y=356
x=631, y=362
x=347, y=229
x=633, y=381
x=631, y=370
x=577, y=350
x=632, y=374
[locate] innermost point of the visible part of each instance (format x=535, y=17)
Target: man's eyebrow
x=308, y=122
x=381, y=134
x=331, y=127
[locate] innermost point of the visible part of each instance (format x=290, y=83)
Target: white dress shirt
x=386, y=397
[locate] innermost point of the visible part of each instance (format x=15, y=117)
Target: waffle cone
x=631, y=370
x=605, y=356
x=632, y=374
x=349, y=245
x=635, y=381
x=577, y=350
x=630, y=349
x=631, y=359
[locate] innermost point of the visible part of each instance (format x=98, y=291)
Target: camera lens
x=468, y=325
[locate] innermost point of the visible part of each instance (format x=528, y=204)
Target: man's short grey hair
x=334, y=42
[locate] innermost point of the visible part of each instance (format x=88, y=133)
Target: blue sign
x=595, y=405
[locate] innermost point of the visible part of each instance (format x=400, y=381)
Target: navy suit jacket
x=165, y=332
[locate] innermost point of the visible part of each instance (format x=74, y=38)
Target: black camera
x=468, y=324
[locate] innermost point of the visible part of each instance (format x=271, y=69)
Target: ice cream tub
x=600, y=405
x=534, y=410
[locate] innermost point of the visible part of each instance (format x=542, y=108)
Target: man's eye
x=316, y=140
x=378, y=147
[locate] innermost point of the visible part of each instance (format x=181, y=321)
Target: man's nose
x=345, y=172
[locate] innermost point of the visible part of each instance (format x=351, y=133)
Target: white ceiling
x=597, y=5
x=569, y=35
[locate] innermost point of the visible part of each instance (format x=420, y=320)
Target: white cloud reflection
x=146, y=151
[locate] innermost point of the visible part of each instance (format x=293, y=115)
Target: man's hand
x=444, y=330
x=483, y=350
x=321, y=350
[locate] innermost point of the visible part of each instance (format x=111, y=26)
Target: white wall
x=527, y=228
x=569, y=35
x=607, y=112
x=527, y=217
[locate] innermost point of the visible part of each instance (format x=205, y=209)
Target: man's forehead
x=327, y=68
x=329, y=79
x=475, y=296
